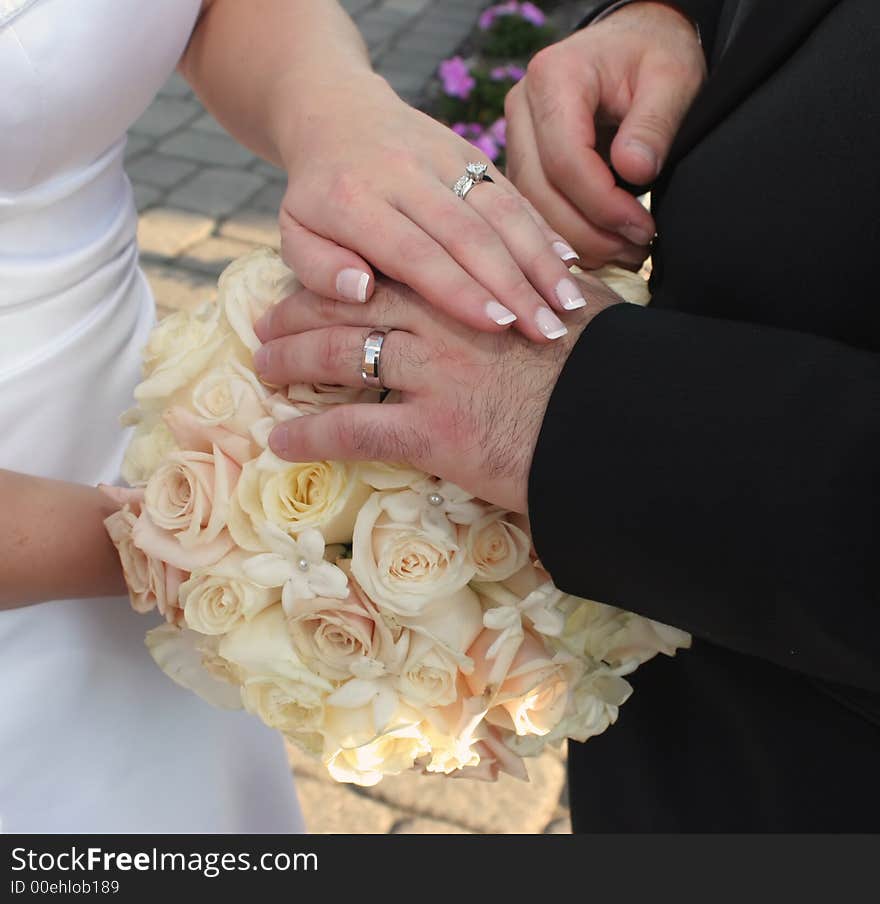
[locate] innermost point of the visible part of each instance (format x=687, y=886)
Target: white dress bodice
x=93, y=737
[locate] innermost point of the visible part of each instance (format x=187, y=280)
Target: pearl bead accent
x=435, y=499
x=303, y=564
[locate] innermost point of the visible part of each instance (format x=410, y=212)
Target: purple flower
x=457, y=79
x=527, y=11
x=498, y=131
x=468, y=130
x=532, y=14
x=486, y=143
x=487, y=19
x=512, y=72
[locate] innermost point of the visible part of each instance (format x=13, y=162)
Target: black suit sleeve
x=706, y=13
x=722, y=477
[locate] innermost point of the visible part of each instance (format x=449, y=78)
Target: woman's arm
x=370, y=178
x=258, y=66
x=52, y=542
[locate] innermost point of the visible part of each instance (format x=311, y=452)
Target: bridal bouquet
x=381, y=619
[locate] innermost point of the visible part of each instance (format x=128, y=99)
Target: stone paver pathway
x=205, y=200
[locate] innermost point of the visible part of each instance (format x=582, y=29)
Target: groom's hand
x=471, y=404
x=640, y=68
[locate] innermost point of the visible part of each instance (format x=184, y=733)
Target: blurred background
x=204, y=200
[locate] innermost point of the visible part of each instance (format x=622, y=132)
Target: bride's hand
x=371, y=184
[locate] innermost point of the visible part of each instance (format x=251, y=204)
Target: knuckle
x=543, y=64
x=332, y=350
x=505, y=206
x=345, y=190
x=469, y=235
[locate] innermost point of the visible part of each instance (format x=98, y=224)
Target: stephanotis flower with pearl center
x=296, y=565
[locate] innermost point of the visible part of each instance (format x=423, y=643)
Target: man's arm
x=728, y=485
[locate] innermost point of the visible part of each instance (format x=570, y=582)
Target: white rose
x=323, y=495
x=248, y=287
x=216, y=598
x=179, y=349
x=230, y=395
x=403, y=557
x=262, y=648
x=394, y=751
x=179, y=653
x=623, y=640
x=497, y=547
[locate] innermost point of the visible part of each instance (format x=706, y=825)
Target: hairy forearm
x=259, y=66
x=52, y=542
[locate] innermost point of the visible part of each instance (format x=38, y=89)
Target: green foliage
x=514, y=37
x=485, y=104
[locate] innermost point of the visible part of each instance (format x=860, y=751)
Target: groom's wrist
x=607, y=8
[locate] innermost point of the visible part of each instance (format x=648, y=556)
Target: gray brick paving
x=206, y=200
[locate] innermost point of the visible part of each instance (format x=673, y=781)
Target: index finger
x=564, y=105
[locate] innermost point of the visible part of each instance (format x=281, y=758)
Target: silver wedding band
x=370, y=363
x=474, y=174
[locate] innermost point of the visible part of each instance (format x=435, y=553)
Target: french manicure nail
x=638, y=235
x=549, y=324
x=569, y=295
x=497, y=312
x=352, y=284
x=566, y=252
x=647, y=154
x=261, y=358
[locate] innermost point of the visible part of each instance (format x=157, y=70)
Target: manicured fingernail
x=638, y=235
x=549, y=324
x=261, y=358
x=497, y=312
x=352, y=284
x=569, y=295
x=648, y=154
x=566, y=252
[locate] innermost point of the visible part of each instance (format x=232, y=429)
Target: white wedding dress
x=93, y=737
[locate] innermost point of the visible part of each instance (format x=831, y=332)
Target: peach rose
x=497, y=547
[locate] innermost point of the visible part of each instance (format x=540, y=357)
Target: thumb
x=660, y=102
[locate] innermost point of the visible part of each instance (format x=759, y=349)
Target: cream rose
x=404, y=560
x=230, y=395
x=312, y=398
x=338, y=638
x=180, y=653
x=151, y=444
x=497, y=547
x=248, y=287
x=441, y=636
x=151, y=583
x=534, y=694
x=262, y=648
x=216, y=598
x=189, y=495
x=294, y=497
x=391, y=751
x=179, y=349
x=291, y=707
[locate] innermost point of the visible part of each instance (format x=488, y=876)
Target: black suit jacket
x=713, y=461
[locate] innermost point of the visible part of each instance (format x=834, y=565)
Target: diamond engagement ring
x=474, y=174
x=370, y=362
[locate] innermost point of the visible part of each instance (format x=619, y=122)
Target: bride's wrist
x=325, y=102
